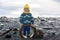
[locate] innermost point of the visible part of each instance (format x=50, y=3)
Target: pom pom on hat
x=26, y=6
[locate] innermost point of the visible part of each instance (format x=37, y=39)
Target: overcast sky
x=42, y=8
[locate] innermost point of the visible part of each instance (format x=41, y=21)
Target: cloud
x=57, y=0
x=14, y=8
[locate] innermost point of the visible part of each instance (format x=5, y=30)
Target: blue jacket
x=26, y=18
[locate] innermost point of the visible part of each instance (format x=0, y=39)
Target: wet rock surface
x=50, y=28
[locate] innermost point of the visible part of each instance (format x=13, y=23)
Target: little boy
x=26, y=19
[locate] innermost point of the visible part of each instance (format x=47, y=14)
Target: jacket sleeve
x=21, y=18
x=32, y=19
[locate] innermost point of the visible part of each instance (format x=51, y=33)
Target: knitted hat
x=26, y=6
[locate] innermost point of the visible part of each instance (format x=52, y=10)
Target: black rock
x=8, y=36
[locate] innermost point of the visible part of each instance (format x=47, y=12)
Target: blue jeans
x=26, y=29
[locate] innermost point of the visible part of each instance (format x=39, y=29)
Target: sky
x=41, y=8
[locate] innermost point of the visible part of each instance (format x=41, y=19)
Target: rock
x=8, y=36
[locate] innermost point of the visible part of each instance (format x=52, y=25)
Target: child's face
x=26, y=9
